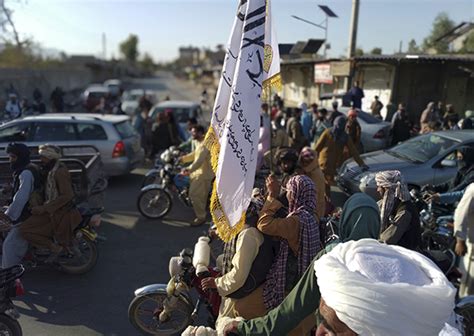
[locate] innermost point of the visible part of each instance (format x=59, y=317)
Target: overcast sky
x=76, y=26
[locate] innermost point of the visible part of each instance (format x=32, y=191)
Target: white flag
x=251, y=66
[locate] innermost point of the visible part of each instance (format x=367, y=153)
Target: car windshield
x=181, y=114
x=132, y=96
x=422, y=148
x=125, y=129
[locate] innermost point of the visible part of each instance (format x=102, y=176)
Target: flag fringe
x=224, y=230
x=212, y=144
x=275, y=82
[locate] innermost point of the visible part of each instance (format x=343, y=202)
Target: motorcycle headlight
x=174, y=266
x=165, y=156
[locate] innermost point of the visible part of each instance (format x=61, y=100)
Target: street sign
x=341, y=68
x=322, y=73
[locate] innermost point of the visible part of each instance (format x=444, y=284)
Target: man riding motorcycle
x=51, y=225
x=27, y=193
x=200, y=173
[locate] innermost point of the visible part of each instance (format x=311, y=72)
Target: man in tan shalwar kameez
x=51, y=225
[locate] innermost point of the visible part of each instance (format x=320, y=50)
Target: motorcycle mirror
x=187, y=252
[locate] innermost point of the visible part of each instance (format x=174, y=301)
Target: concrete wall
x=24, y=81
x=298, y=85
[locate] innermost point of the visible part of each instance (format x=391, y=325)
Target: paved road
x=136, y=253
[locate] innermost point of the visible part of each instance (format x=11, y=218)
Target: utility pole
x=353, y=31
x=353, y=36
x=104, y=46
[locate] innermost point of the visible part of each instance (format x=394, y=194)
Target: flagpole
x=271, y=127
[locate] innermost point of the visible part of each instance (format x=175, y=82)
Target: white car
x=114, y=85
x=181, y=110
x=113, y=135
x=375, y=133
x=131, y=98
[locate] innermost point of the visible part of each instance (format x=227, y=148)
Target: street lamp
x=323, y=25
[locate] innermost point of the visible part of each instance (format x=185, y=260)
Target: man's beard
x=48, y=166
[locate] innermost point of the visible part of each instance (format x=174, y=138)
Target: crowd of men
x=280, y=278
x=14, y=107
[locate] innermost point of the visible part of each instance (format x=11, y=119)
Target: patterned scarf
x=51, y=187
x=395, y=188
x=302, y=203
x=230, y=248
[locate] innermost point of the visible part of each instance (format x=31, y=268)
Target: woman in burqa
x=296, y=314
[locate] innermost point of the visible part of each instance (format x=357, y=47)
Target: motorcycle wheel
x=154, y=203
x=144, y=310
x=86, y=261
x=467, y=314
x=9, y=326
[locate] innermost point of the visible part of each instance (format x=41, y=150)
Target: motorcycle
x=77, y=260
x=161, y=309
x=155, y=199
x=436, y=221
x=9, y=288
x=168, y=156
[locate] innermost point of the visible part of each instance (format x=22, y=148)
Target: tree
x=8, y=28
x=147, y=63
x=413, y=47
x=468, y=44
x=129, y=48
x=359, y=52
x=376, y=51
x=441, y=26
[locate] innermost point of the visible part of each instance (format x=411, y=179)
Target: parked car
x=425, y=159
x=114, y=86
x=131, y=98
x=93, y=94
x=182, y=111
x=375, y=132
x=112, y=135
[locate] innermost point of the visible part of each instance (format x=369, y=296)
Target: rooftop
x=416, y=57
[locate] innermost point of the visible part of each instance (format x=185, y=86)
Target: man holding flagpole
x=252, y=64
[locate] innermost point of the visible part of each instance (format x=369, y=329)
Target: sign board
x=341, y=69
x=322, y=73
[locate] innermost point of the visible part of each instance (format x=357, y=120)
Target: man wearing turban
x=51, y=224
x=368, y=288
x=400, y=220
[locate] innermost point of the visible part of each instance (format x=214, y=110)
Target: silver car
x=425, y=159
x=375, y=133
x=182, y=111
x=112, y=135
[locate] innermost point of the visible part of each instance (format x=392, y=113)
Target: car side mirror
x=448, y=163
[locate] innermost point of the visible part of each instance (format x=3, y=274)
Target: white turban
x=50, y=152
x=379, y=289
